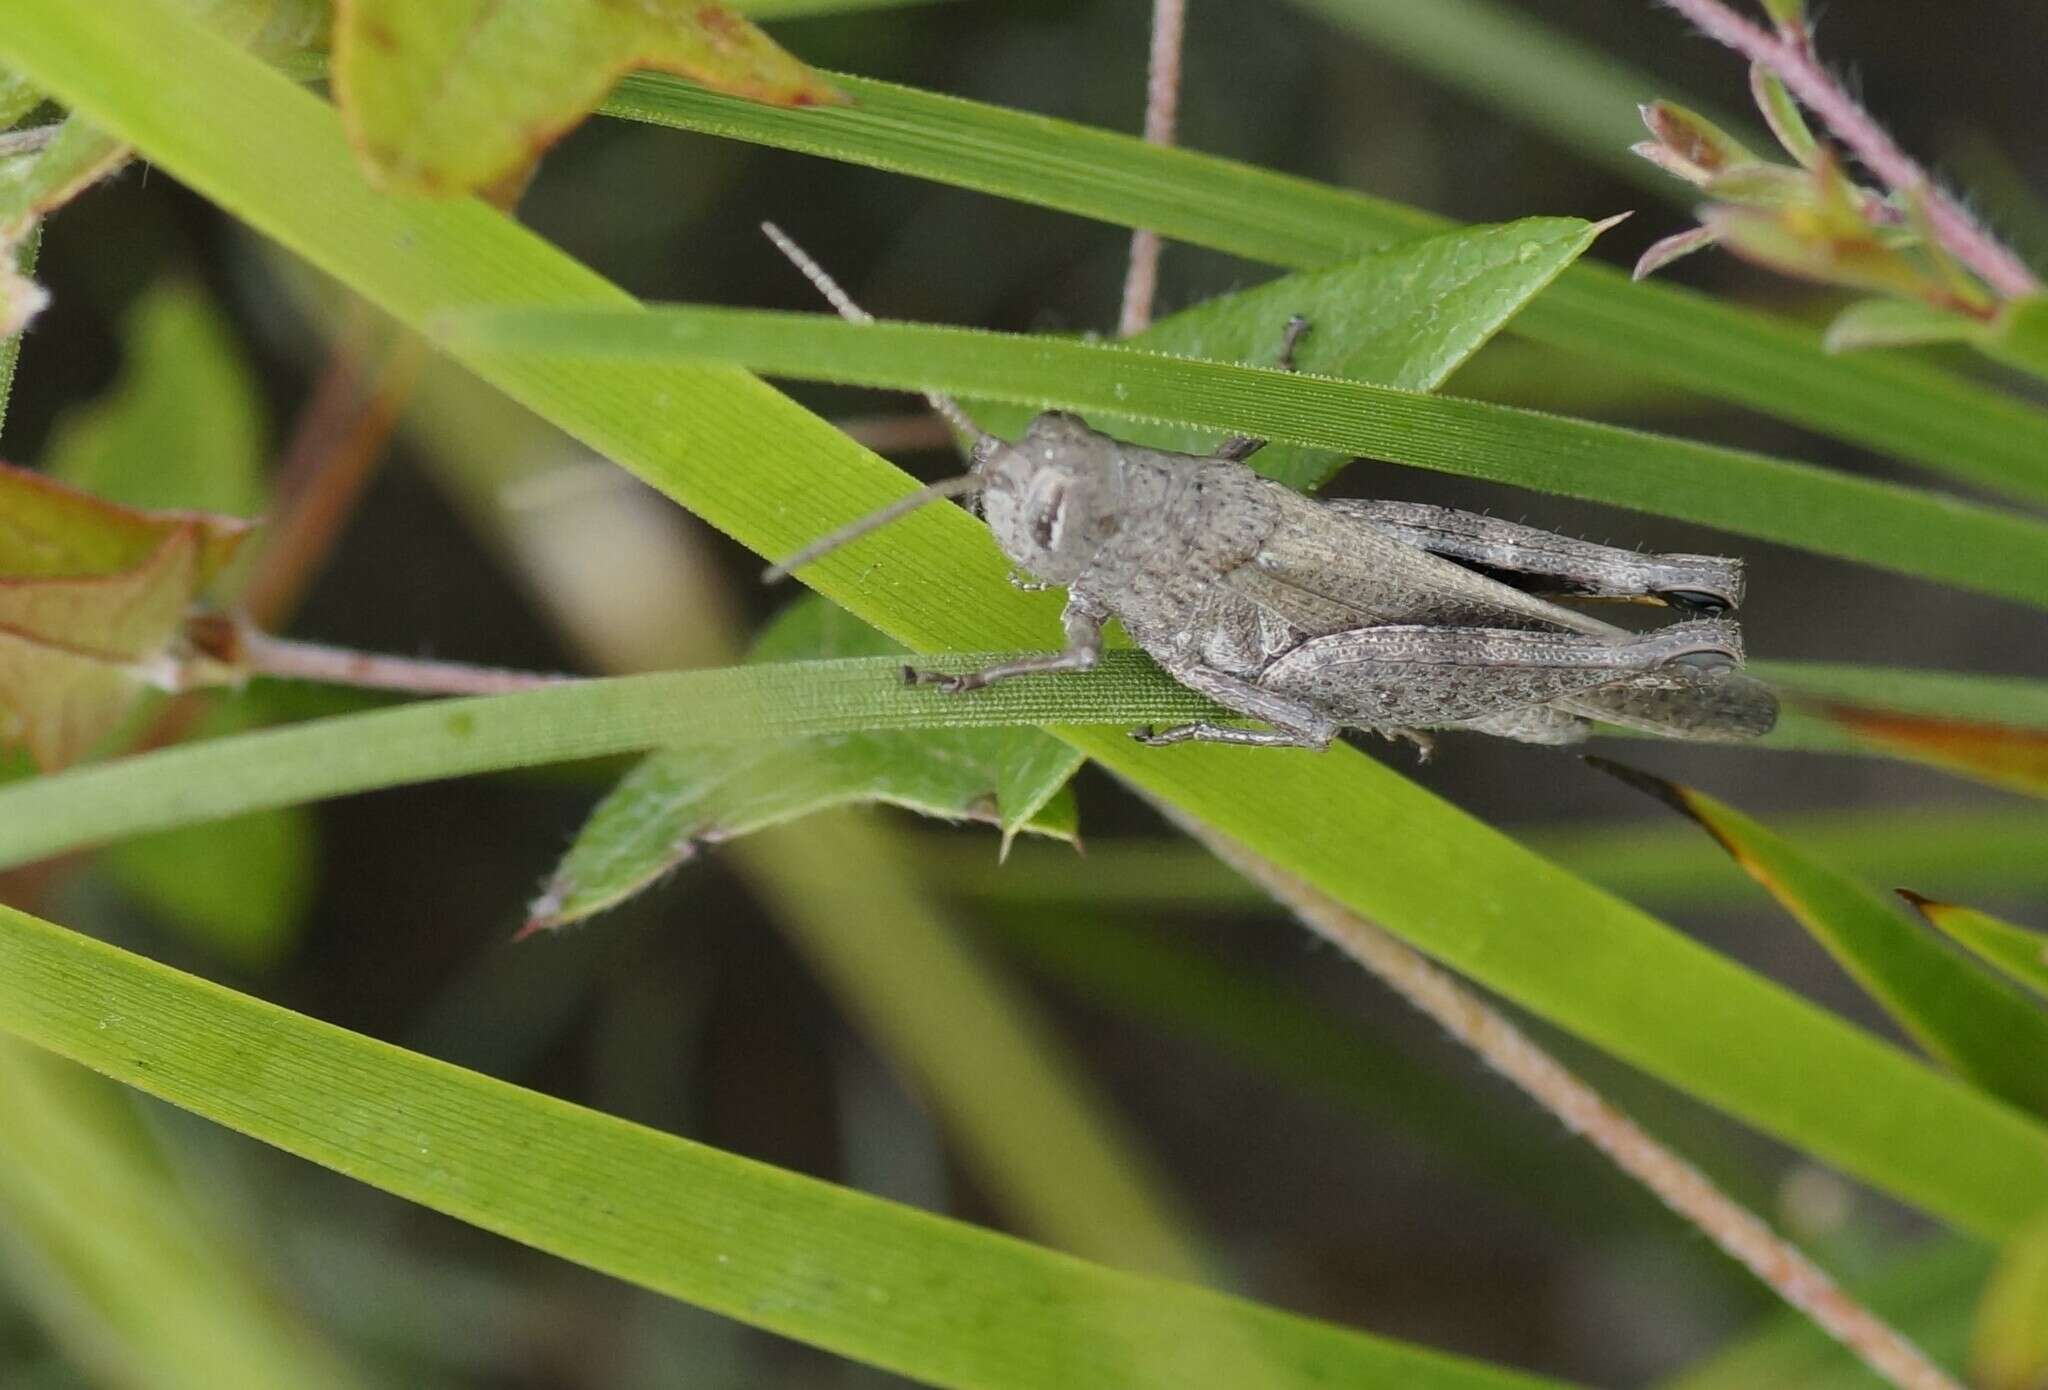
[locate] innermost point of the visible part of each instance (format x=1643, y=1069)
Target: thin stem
x=1162, y=111
x=1680, y=1186
x=1792, y=59
x=260, y=654
x=339, y=441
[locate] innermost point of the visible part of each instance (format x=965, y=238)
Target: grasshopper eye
x=1696, y=601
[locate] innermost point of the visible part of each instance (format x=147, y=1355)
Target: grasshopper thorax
x=1053, y=498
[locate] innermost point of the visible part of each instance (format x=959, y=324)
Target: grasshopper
x=1313, y=616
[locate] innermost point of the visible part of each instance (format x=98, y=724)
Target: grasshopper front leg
x=1082, y=621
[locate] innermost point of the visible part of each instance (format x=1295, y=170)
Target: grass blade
x=269, y=152
x=2020, y=953
x=881, y=1283
x=452, y=738
x=1968, y=1017
x=1888, y=403
x=1880, y=524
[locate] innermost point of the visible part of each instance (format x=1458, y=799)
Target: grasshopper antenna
x=945, y=405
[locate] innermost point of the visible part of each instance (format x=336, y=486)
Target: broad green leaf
x=239, y=887
x=2019, y=337
x=272, y=154
x=1874, y=323
x=17, y=98
x=932, y=1299
x=2020, y=953
x=1888, y=403
x=182, y=426
x=2009, y=1350
x=91, y=597
x=1025, y=1114
x=131, y=1276
x=681, y=798
x=1855, y=518
x=1969, y=1018
x=1927, y=1293
x=1405, y=317
x=451, y=97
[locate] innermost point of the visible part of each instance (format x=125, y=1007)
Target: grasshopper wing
x=1324, y=570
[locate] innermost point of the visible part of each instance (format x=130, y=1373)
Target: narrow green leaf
x=1699, y=149
x=1786, y=14
x=17, y=265
x=1783, y=116
x=1405, y=317
x=17, y=98
x=127, y=1271
x=897, y=1288
x=454, y=96
x=239, y=887
x=1961, y=850
x=2010, y=1348
x=272, y=154
x=2019, y=337
x=582, y=719
x=1027, y=1116
x=680, y=798
x=1880, y=524
x=80, y=156
x=182, y=426
x=1891, y=404
x=1874, y=323
x=2020, y=953
x=1970, y=1019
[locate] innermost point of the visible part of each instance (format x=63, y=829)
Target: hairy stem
x=1162, y=110
x=1792, y=59
x=1504, y=1047
x=260, y=654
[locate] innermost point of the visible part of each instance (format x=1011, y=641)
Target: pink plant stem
x=1162, y=110
x=263, y=655
x=1791, y=59
x=1680, y=1186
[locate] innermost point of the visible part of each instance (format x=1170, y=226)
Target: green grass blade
x=1970, y=1018
x=453, y=738
x=10, y=348
x=1532, y=72
x=1025, y=1115
x=1886, y=402
x=772, y=476
x=884, y=1284
x=2020, y=953
x=1944, y=848
x=130, y=1275
x=1882, y=524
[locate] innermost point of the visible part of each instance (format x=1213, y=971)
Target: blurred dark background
x=690, y=1010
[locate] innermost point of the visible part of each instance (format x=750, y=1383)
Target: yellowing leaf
x=91, y=594
x=453, y=96
x=2004, y=755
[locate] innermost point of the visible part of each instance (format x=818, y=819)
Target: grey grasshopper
x=1313, y=616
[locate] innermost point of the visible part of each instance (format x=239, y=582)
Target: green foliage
x=1960, y=1013
x=452, y=97
x=894, y=1287
x=2020, y=953
x=681, y=798
x=2010, y=1348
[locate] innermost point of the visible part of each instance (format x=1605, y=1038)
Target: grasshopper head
x=1054, y=497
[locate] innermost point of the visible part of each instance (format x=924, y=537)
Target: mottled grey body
x=1312, y=616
